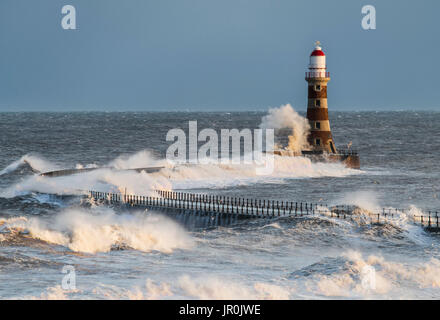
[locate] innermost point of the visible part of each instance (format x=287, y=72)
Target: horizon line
x=159, y=109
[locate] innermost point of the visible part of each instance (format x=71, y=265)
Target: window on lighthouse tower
x=317, y=103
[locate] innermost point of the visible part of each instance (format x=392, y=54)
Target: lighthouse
x=321, y=145
x=317, y=77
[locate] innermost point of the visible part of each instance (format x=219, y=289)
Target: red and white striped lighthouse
x=320, y=137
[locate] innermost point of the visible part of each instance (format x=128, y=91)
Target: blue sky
x=215, y=54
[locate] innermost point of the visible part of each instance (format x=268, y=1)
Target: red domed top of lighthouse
x=318, y=50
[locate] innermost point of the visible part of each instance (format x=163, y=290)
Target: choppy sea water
x=126, y=254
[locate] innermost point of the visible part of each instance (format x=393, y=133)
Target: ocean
x=117, y=253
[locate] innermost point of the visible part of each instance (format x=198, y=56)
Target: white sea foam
x=141, y=159
x=219, y=289
x=366, y=200
x=101, y=229
x=197, y=287
x=178, y=176
x=368, y=206
x=51, y=293
x=35, y=162
x=390, y=278
x=174, y=176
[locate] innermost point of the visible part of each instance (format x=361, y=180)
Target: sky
x=216, y=55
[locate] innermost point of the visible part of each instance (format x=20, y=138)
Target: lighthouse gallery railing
x=317, y=74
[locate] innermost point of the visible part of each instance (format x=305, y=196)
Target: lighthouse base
x=349, y=158
x=350, y=161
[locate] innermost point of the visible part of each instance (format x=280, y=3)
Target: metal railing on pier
x=208, y=203
x=262, y=208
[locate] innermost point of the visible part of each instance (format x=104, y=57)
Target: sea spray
x=141, y=159
x=368, y=206
x=174, y=176
x=285, y=117
x=35, y=162
x=364, y=199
